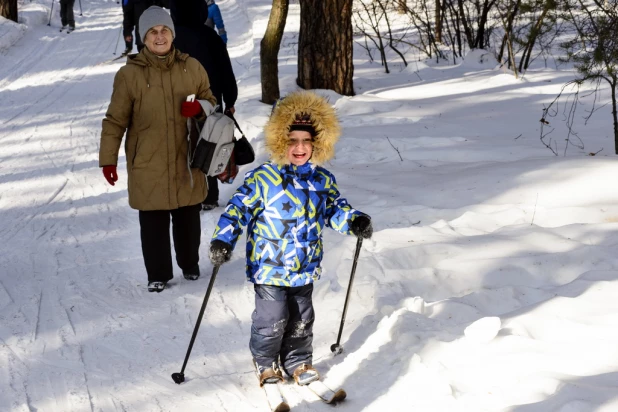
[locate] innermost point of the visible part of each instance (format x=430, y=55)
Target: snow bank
x=33, y=14
x=30, y=14
x=479, y=59
x=10, y=33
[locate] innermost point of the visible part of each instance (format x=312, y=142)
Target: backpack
x=215, y=143
x=242, y=154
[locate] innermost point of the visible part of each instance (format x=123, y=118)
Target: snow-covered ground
x=490, y=283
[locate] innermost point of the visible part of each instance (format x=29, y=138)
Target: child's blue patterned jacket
x=286, y=209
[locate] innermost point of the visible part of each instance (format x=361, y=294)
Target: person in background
x=127, y=33
x=286, y=204
x=202, y=43
x=149, y=103
x=67, y=17
x=215, y=19
x=132, y=11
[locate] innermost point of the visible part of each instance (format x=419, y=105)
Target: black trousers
x=66, y=12
x=155, y=234
x=282, y=326
x=213, y=190
x=125, y=32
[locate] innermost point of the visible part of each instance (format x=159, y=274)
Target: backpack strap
x=208, y=107
x=190, y=121
x=231, y=116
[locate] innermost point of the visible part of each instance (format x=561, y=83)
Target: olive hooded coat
x=146, y=103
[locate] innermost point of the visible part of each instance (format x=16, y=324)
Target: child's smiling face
x=300, y=147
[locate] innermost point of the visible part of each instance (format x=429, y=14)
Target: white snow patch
x=479, y=59
x=10, y=32
x=483, y=330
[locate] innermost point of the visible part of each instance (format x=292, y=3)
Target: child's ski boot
x=305, y=374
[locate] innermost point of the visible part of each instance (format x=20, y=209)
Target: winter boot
x=269, y=375
x=209, y=206
x=156, y=286
x=191, y=274
x=305, y=374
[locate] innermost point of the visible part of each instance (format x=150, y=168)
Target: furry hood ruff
x=324, y=121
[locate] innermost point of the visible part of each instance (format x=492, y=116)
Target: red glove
x=110, y=174
x=191, y=109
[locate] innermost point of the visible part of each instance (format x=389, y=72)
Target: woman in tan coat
x=149, y=103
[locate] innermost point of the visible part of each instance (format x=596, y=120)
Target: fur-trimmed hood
x=324, y=120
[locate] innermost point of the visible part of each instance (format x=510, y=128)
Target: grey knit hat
x=154, y=16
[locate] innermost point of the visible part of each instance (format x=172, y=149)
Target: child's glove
x=220, y=252
x=191, y=109
x=361, y=227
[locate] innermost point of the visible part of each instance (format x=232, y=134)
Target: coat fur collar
x=324, y=121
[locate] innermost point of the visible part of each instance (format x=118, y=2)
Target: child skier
x=286, y=204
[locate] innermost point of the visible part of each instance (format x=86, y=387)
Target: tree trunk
x=8, y=9
x=481, y=40
x=509, y=43
x=464, y=22
x=456, y=21
x=438, y=22
x=507, y=40
x=534, y=32
x=325, y=46
x=614, y=113
x=269, y=51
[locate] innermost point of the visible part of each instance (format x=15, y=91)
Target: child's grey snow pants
x=282, y=326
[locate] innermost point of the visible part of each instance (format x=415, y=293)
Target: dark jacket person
x=148, y=102
x=132, y=11
x=204, y=44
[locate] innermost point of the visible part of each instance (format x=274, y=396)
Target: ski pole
x=50, y=13
x=336, y=348
x=179, y=377
x=80, y=8
x=117, y=40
